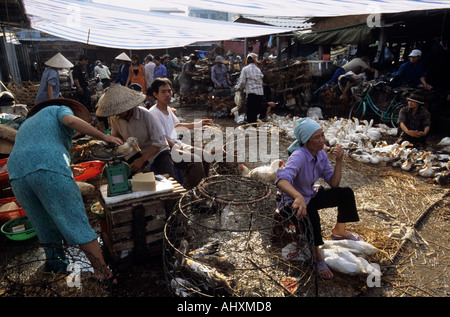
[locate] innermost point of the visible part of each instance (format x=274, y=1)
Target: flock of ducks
x=363, y=142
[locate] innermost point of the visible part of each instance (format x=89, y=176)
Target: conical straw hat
x=59, y=61
x=118, y=99
x=123, y=57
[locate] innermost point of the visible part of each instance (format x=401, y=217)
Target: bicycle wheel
x=358, y=110
x=394, y=114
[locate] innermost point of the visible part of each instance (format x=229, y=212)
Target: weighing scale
x=116, y=171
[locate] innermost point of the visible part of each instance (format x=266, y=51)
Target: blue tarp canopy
x=118, y=27
x=128, y=24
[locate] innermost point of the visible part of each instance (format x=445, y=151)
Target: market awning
x=118, y=27
x=353, y=34
x=310, y=8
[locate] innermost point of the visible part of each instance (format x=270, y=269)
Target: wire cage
x=226, y=238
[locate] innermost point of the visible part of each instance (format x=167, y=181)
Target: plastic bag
x=238, y=99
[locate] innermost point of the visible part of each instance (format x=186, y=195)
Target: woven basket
x=24, y=91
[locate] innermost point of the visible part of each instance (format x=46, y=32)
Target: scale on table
x=116, y=170
x=116, y=173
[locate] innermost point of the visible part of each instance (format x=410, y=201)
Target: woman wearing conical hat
x=49, y=86
x=124, y=68
x=43, y=183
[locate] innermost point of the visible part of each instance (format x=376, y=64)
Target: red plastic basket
x=4, y=176
x=87, y=170
x=6, y=216
x=81, y=171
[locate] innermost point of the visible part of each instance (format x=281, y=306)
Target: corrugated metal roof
x=286, y=22
x=12, y=14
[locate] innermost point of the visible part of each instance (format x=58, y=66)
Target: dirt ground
x=389, y=199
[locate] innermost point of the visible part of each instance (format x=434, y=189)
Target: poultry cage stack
x=221, y=241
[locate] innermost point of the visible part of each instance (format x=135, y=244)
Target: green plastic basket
x=28, y=233
x=99, y=215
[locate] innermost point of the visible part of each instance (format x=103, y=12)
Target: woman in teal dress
x=43, y=183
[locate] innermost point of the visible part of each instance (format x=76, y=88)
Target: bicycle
x=366, y=107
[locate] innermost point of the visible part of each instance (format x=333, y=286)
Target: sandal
x=322, y=266
x=350, y=236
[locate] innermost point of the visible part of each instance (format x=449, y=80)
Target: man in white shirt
x=184, y=156
x=251, y=80
x=104, y=73
x=149, y=69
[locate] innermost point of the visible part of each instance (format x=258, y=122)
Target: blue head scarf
x=305, y=127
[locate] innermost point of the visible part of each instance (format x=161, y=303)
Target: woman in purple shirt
x=307, y=163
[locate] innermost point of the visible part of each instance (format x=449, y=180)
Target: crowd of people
x=137, y=104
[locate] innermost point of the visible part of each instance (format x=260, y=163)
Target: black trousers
x=254, y=107
x=341, y=197
x=85, y=98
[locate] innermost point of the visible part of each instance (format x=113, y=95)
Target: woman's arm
x=50, y=91
x=337, y=175
x=83, y=127
x=299, y=201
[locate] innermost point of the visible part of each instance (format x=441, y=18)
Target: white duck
x=427, y=170
x=348, y=259
x=379, y=157
x=266, y=173
x=446, y=149
x=373, y=134
x=387, y=130
x=407, y=165
x=444, y=142
x=361, y=156
x=127, y=147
